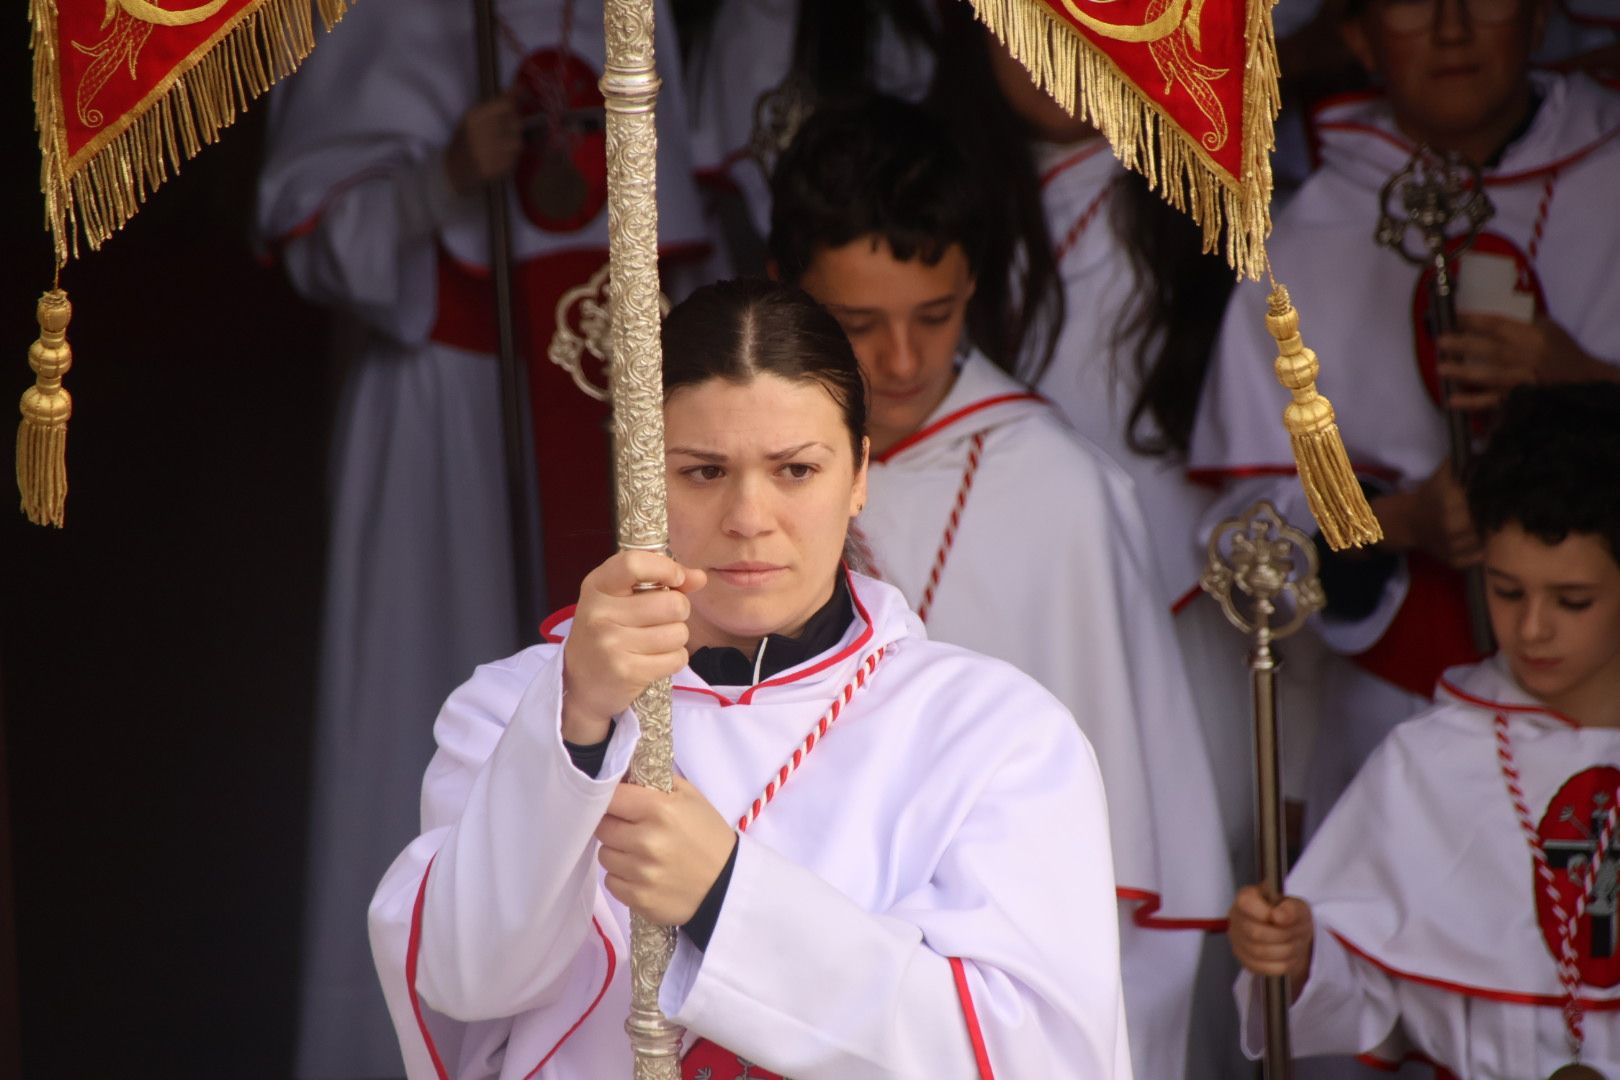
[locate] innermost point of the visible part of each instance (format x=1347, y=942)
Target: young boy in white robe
x=1459, y=903
x=372, y=200
x=1008, y=533
x=1536, y=295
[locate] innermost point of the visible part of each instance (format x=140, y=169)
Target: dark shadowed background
x=156, y=656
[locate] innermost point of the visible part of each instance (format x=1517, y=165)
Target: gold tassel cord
x=46, y=406
x=1086, y=82
x=1330, y=483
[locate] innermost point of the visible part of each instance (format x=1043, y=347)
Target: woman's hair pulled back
x=736, y=330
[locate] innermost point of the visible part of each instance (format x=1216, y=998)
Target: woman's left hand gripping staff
x=663, y=850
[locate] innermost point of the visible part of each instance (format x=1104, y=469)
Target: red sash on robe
x=572, y=440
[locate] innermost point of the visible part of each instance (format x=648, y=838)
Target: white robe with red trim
x=1050, y=568
x=1356, y=303
x=953, y=810
x=419, y=582
x=746, y=54
x=1431, y=933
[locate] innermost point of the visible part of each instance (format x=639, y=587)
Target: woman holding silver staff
x=861, y=848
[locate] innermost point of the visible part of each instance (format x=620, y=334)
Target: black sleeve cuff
x=1353, y=583
x=700, y=927
x=588, y=759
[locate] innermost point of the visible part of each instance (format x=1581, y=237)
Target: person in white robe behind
x=1008, y=533
x=1536, y=295
x=887, y=856
x=1421, y=919
x=371, y=199
x=757, y=68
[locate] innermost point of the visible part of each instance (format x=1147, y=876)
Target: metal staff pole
x=1432, y=192
x=521, y=483
x=630, y=88
x=1254, y=575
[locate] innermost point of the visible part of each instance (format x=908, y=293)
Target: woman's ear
x=773, y=271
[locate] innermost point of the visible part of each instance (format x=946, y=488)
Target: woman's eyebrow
x=701, y=455
x=793, y=451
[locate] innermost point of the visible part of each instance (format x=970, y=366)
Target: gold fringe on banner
x=1174, y=162
x=42, y=435
x=105, y=183
x=1337, y=501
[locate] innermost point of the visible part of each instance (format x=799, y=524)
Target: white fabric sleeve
x=509, y=899
x=371, y=247
x=800, y=975
x=1348, y=1006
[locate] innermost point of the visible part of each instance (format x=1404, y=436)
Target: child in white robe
x=1421, y=919
x=370, y=200
x=1538, y=310
x=1007, y=532
x=887, y=856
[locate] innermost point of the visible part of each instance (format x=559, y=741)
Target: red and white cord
x=1568, y=922
x=813, y=739
x=1077, y=230
x=1539, y=229
x=937, y=571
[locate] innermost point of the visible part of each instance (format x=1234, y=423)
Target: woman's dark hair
x=1553, y=465
x=1017, y=310
x=1181, y=294
x=873, y=167
x=735, y=330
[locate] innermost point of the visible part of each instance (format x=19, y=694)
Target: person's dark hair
x=1017, y=309
x=1170, y=329
x=1553, y=465
x=1019, y=306
x=834, y=41
x=735, y=330
x=873, y=167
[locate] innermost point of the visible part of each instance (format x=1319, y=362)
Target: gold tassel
x=1330, y=484
x=42, y=435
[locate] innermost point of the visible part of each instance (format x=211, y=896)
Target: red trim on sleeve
x=1147, y=914
x=981, y=1053
x=1511, y=997
x=1372, y=1061
x=607, y=980
x=1215, y=475
x=411, y=951
x=310, y=223
x=1184, y=601
x=946, y=421
x=554, y=620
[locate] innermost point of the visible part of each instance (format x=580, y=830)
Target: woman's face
x=762, y=486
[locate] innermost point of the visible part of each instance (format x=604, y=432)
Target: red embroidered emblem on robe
x=706, y=1061
x=1569, y=834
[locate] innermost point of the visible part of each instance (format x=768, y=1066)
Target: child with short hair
x=1459, y=903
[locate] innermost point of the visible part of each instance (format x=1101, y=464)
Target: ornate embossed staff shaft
x=630, y=87
x=1433, y=193
x=1266, y=591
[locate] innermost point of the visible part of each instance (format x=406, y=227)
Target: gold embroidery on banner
x=1175, y=64
x=1158, y=26
x=148, y=12
x=120, y=48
